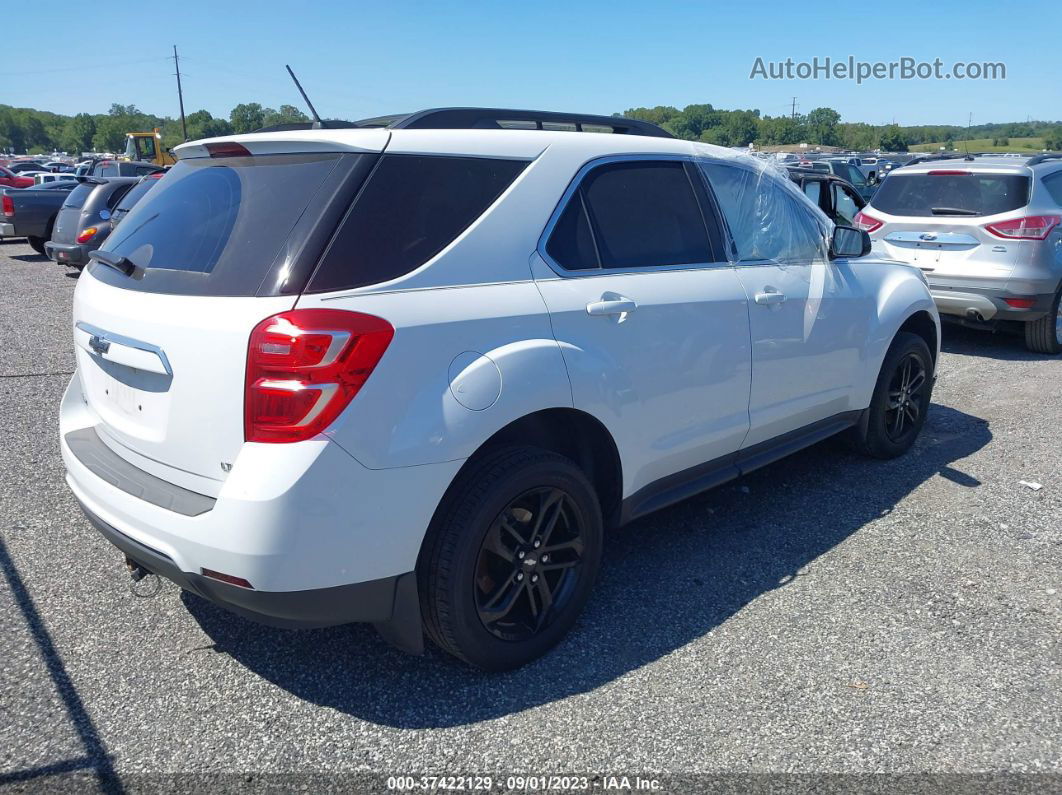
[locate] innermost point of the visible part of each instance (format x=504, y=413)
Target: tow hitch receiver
x=136, y=571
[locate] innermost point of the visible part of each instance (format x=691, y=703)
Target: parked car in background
x=11, y=179
x=59, y=167
x=123, y=168
x=132, y=196
x=409, y=375
x=30, y=212
x=837, y=198
x=849, y=173
x=987, y=232
x=40, y=178
x=20, y=166
x=84, y=221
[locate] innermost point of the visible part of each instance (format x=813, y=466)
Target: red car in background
x=9, y=179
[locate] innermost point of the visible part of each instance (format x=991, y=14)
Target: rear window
x=220, y=226
x=958, y=195
x=79, y=195
x=412, y=207
x=134, y=194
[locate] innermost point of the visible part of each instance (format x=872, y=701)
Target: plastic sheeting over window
x=769, y=218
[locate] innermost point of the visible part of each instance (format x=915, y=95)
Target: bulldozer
x=147, y=147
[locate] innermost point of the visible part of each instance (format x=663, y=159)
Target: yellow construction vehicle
x=147, y=146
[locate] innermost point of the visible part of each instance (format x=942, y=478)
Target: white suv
x=408, y=374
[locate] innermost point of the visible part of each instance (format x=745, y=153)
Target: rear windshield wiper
x=953, y=211
x=116, y=261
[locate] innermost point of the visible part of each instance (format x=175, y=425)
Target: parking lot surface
x=826, y=614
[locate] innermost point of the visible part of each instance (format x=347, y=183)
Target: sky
x=359, y=59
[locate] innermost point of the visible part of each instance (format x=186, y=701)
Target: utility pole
x=794, y=107
x=180, y=94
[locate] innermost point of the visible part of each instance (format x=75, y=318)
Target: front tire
x=1045, y=335
x=511, y=558
x=37, y=244
x=900, y=402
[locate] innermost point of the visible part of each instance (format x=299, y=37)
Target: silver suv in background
x=987, y=232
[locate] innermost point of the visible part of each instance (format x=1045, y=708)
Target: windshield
x=951, y=194
x=130, y=148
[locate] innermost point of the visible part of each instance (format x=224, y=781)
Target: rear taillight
x=9, y=206
x=867, y=223
x=304, y=367
x=87, y=235
x=1031, y=227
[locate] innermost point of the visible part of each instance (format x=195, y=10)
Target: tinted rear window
x=134, y=194
x=218, y=226
x=79, y=195
x=967, y=194
x=412, y=207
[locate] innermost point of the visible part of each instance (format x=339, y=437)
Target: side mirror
x=848, y=243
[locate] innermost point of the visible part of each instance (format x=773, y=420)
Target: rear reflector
x=1020, y=303
x=87, y=235
x=868, y=223
x=945, y=173
x=304, y=367
x=220, y=577
x=9, y=206
x=227, y=149
x=1032, y=227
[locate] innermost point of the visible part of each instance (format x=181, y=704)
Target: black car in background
x=84, y=221
x=836, y=197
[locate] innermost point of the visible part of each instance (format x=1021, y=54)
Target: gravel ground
x=826, y=615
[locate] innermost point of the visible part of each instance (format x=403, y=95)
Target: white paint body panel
x=485, y=333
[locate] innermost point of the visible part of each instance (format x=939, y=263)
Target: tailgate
x=165, y=373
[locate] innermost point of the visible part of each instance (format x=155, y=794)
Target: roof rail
x=1043, y=158
x=943, y=156
x=507, y=118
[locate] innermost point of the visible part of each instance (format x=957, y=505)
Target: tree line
x=823, y=126
x=37, y=131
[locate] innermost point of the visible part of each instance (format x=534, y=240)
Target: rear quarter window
x=79, y=195
x=925, y=195
x=411, y=208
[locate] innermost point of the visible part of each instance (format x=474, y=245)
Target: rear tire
x=1045, y=335
x=492, y=596
x=900, y=402
x=37, y=244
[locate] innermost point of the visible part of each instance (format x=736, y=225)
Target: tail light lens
x=868, y=223
x=1032, y=227
x=87, y=235
x=9, y=206
x=304, y=367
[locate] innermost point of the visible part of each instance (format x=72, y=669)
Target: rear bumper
x=66, y=253
x=7, y=230
x=371, y=601
x=302, y=523
x=983, y=304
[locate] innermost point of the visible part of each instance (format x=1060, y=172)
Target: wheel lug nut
x=534, y=578
x=520, y=554
x=519, y=576
x=538, y=543
x=545, y=558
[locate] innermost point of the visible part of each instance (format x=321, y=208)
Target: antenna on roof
x=317, y=123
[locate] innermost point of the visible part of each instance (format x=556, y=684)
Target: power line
x=82, y=68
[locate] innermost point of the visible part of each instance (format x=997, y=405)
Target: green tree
x=822, y=126
x=110, y=133
x=247, y=117
x=288, y=114
x=78, y=132
x=202, y=125
x=892, y=139
x=1053, y=139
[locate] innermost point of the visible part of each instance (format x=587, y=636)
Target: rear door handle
x=770, y=297
x=611, y=306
